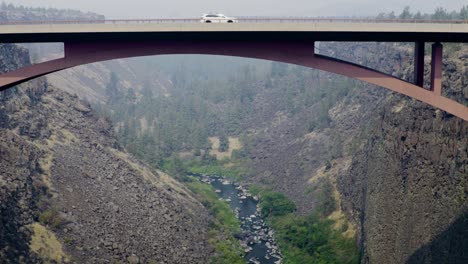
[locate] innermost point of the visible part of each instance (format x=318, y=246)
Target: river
x=257, y=239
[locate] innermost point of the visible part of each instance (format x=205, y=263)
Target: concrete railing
x=239, y=19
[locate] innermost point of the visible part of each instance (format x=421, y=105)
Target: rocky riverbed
x=257, y=239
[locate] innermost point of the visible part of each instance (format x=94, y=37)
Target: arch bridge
x=284, y=40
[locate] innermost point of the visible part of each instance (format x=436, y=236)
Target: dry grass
x=397, y=108
x=340, y=220
x=185, y=154
x=234, y=144
x=46, y=245
x=144, y=171
x=63, y=137
x=66, y=137
x=46, y=164
x=338, y=166
x=337, y=111
x=338, y=215
x=144, y=126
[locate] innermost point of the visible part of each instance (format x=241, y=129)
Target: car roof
x=214, y=14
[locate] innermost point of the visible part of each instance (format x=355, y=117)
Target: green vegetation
x=223, y=143
x=225, y=224
x=336, y=148
x=257, y=190
x=207, y=165
x=227, y=168
x=225, y=217
x=154, y=125
x=312, y=239
x=307, y=239
x=226, y=251
x=323, y=191
x=275, y=204
x=68, y=240
x=175, y=167
x=51, y=218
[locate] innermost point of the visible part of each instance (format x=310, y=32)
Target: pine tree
x=406, y=14
x=223, y=143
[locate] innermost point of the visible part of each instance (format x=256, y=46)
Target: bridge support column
x=419, y=63
x=436, y=68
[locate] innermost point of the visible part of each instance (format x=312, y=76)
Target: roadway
x=258, y=30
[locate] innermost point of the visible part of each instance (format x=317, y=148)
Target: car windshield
x=211, y=15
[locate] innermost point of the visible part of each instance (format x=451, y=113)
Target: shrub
x=323, y=192
x=223, y=143
x=310, y=239
x=68, y=240
x=313, y=240
x=52, y=218
x=275, y=204
x=327, y=165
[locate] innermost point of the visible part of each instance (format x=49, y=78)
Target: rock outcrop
x=62, y=168
x=409, y=184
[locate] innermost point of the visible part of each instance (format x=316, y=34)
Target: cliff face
x=409, y=184
x=290, y=156
x=69, y=192
x=18, y=162
x=399, y=166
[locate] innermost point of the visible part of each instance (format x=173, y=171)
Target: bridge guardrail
x=240, y=20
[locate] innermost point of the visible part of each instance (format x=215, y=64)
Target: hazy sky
x=194, y=8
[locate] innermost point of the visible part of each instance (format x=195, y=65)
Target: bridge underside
x=295, y=52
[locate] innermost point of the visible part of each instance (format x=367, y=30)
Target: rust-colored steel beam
x=300, y=53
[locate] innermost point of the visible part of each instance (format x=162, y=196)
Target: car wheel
x=230, y=21
x=208, y=21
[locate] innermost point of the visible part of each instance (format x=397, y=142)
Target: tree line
x=439, y=14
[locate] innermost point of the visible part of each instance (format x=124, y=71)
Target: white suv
x=217, y=18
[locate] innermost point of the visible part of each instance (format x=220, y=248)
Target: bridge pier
x=419, y=63
x=436, y=68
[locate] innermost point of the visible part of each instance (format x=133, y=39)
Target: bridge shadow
x=451, y=246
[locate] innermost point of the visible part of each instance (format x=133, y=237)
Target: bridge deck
x=245, y=31
x=290, y=42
